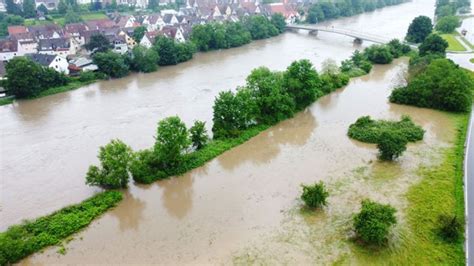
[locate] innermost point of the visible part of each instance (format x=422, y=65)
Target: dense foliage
x=441, y=85
x=98, y=44
x=372, y=224
x=325, y=10
x=314, y=196
x=212, y=36
x=366, y=129
x=379, y=54
x=38, y=79
x=391, y=145
x=199, y=137
x=447, y=24
x=302, y=82
x=433, y=44
x=22, y=240
x=419, y=29
x=172, y=140
x=112, y=64
x=114, y=160
x=143, y=59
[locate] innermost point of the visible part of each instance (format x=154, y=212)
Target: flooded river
x=214, y=213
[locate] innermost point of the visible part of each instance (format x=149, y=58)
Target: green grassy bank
x=22, y=240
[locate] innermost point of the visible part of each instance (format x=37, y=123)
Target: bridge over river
x=358, y=36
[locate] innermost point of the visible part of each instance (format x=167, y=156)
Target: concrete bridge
x=359, y=37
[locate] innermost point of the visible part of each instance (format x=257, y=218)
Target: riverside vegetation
x=267, y=98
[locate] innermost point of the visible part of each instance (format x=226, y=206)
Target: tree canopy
x=419, y=29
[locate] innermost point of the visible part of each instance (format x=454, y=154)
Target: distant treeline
x=346, y=8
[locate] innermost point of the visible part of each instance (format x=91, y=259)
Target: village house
x=8, y=49
x=76, y=31
x=55, y=62
x=285, y=9
x=27, y=47
x=174, y=33
x=153, y=22
x=49, y=31
x=59, y=46
x=82, y=64
x=149, y=38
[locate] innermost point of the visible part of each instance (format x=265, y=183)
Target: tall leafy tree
x=29, y=8
x=19, y=84
x=433, y=44
x=98, y=43
x=166, y=49
x=62, y=7
x=111, y=64
x=12, y=8
x=138, y=33
x=301, y=81
x=419, y=29
x=172, y=140
x=278, y=20
x=143, y=59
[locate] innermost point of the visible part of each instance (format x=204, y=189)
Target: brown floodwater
x=213, y=213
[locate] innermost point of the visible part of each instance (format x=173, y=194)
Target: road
x=469, y=186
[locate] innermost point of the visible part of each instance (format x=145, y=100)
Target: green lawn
x=454, y=44
x=60, y=20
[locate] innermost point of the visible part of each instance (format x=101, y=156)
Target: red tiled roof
x=17, y=30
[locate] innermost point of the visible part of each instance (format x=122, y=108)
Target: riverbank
x=31, y=236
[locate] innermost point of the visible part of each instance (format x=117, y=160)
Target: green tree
x=143, y=59
x=260, y=27
x=138, y=33
x=19, y=84
x=433, y=44
x=42, y=8
x=278, y=20
x=98, y=43
x=29, y=8
x=62, y=7
x=13, y=8
x=115, y=159
x=391, y=145
x=71, y=16
x=315, y=14
x=372, y=224
x=111, y=64
x=201, y=35
x=185, y=51
x=419, y=29
x=233, y=113
x=378, y=54
x=441, y=85
x=166, y=49
x=199, y=136
x=448, y=24
x=273, y=102
x=172, y=140
x=302, y=82
x=153, y=4
x=314, y=196
x=236, y=34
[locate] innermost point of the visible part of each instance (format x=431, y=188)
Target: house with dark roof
x=57, y=46
x=55, y=62
x=8, y=49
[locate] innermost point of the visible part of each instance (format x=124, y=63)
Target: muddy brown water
x=214, y=213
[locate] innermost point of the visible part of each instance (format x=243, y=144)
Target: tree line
x=329, y=10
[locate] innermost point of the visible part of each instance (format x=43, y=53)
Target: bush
x=442, y=85
x=145, y=167
x=87, y=76
x=433, y=44
x=450, y=228
x=378, y=54
x=302, y=82
x=314, y=196
x=397, y=48
x=391, y=145
x=113, y=173
x=172, y=140
x=366, y=129
x=199, y=136
x=372, y=224
x=448, y=24
x=111, y=64
x=19, y=241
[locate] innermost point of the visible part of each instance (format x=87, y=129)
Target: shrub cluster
x=314, y=196
x=366, y=129
x=212, y=36
x=22, y=240
x=372, y=224
x=39, y=78
x=450, y=228
x=440, y=85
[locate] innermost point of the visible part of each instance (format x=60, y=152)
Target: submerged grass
x=22, y=240
x=440, y=191
x=6, y=100
x=68, y=87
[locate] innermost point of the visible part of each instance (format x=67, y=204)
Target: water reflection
x=266, y=146
x=177, y=195
x=129, y=213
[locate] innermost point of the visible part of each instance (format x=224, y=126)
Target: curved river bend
x=212, y=213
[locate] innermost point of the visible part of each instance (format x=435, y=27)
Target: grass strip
x=454, y=44
x=19, y=241
x=6, y=100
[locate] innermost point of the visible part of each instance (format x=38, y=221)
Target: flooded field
x=243, y=206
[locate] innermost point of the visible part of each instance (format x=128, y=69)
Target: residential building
x=55, y=62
